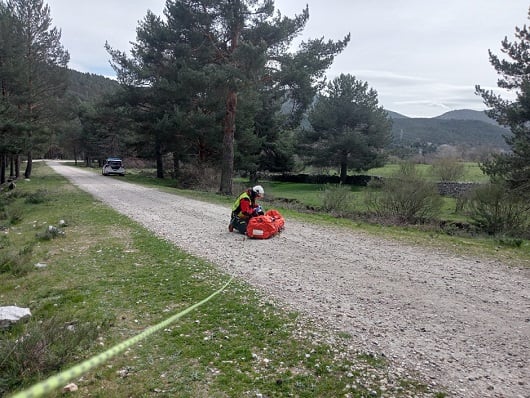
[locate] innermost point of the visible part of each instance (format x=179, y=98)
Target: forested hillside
x=467, y=114
x=89, y=86
x=463, y=127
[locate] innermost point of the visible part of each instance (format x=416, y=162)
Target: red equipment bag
x=263, y=227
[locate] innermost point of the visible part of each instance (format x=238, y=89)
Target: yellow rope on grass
x=64, y=377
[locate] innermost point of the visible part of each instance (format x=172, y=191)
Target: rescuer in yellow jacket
x=245, y=207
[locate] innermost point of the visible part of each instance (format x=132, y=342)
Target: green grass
x=472, y=173
x=107, y=278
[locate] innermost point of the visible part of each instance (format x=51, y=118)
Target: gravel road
x=458, y=322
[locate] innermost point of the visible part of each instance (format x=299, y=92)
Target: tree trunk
x=29, y=165
x=12, y=166
x=229, y=127
x=176, y=166
x=17, y=166
x=343, y=171
x=159, y=162
x=3, y=168
x=229, y=122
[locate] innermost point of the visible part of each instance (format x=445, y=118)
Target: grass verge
x=102, y=278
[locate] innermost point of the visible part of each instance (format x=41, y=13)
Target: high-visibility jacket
x=244, y=205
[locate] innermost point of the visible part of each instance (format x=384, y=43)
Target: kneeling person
x=245, y=207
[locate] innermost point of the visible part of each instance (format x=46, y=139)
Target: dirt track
x=460, y=322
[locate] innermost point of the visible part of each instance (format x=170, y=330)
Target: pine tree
x=41, y=78
x=514, y=71
x=10, y=57
x=348, y=127
x=232, y=47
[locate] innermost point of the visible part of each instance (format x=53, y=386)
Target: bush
x=37, y=197
x=15, y=262
x=496, y=210
x=41, y=349
x=406, y=196
x=198, y=177
x=448, y=169
x=337, y=199
x=14, y=214
x=50, y=232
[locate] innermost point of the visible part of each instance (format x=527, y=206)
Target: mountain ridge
x=457, y=114
x=463, y=127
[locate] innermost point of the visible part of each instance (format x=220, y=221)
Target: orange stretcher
x=265, y=226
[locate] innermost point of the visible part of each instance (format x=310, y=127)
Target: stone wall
x=455, y=189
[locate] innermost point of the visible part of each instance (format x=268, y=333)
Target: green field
x=472, y=173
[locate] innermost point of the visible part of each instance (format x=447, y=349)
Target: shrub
x=494, y=209
x=16, y=262
x=448, y=169
x=406, y=196
x=14, y=214
x=37, y=197
x=42, y=348
x=337, y=199
x=203, y=178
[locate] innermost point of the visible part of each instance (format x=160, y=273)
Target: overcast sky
x=423, y=57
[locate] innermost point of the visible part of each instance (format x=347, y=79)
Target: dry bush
x=448, y=169
x=42, y=348
x=496, y=210
x=404, y=197
x=200, y=178
x=337, y=199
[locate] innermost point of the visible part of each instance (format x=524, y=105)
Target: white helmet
x=258, y=189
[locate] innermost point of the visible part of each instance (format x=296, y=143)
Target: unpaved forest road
x=463, y=323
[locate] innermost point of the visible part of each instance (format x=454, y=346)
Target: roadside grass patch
x=109, y=279
x=16, y=261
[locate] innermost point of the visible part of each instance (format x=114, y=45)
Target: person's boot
x=230, y=228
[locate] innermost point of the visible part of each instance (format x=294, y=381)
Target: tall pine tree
x=514, y=71
x=236, y=46
x=348, y=127
x=11, y=55
x=41, y=79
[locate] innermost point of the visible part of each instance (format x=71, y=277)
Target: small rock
x=70, y=387
x=12, y=314
x=124, y=372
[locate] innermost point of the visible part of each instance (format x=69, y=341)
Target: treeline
x=209, y=84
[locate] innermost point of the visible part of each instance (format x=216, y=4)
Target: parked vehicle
x=113, y=166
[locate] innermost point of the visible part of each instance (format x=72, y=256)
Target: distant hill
x=89, y=86
x=460, y=128
x=395, y=115
x=467, y=114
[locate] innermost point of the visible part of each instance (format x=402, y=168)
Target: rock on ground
x=12, y=314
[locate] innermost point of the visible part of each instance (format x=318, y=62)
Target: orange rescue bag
x=263, y=227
